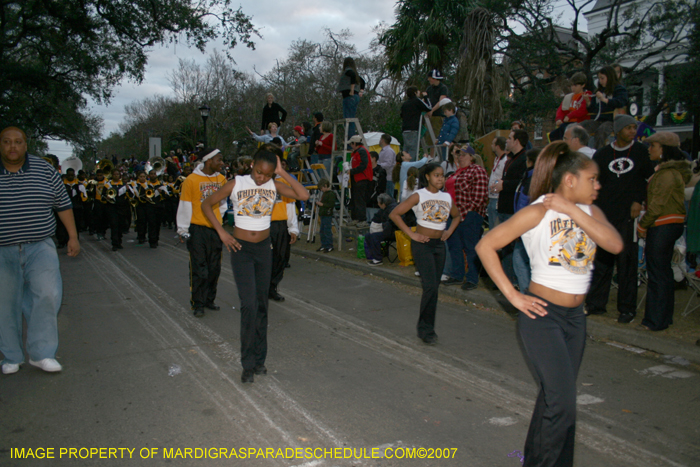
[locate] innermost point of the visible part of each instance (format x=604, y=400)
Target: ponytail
x=555, y=161
x=411, y=178
x=396, y=173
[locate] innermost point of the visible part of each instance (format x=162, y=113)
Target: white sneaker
x=9, y=368
x=417, y=274
x=47, y=364
x=444, y=278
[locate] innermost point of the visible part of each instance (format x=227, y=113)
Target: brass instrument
x=72, y=163
x=155, y=163
x=106, y=166
x=178, y=184
x=111, y=196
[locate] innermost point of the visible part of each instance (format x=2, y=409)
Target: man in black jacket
x=624, y=168
x=516, y=166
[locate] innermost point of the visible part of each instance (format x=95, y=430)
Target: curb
x=596, y=330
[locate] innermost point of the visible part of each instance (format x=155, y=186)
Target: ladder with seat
x=342, y=153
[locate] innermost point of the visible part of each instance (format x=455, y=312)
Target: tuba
x=72, y=163
x=106, y=166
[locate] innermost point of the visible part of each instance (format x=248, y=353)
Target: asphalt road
x=347, y=378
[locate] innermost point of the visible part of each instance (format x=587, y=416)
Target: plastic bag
x=361, y=247
x=403, y=248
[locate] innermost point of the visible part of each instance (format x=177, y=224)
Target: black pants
x=554, y=347
x=360, y=195
x=205, y=249
x=280, y=238
x=430, y=260
x=661, y=287
x=597, y=298
x=98, y=218
x=252, y=266
x=148, y=218
x=115, y=216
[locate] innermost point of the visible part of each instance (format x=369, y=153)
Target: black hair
x=521, y=136
x=374, y=155
x=426, y=170
x=672, y=153
x=267, y=153
x=500, y=141
x=532, y=154
x=411, y=91
x=386, y=137
x=318, y=116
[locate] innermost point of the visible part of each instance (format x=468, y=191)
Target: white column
x=660, y=117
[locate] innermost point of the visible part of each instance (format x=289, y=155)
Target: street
x=345, y=370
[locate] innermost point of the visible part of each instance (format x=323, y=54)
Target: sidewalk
x=679, y=340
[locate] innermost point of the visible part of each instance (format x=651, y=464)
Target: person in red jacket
x=573, y=108
x=362, y=175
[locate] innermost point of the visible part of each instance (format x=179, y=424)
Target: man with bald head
x=30, y=278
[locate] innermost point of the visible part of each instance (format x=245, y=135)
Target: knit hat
x=355, y=139
x=622, y=121
x=435, y=74
x=299, y=129
x=665, y=138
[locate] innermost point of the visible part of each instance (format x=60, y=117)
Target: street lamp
x=204, y=112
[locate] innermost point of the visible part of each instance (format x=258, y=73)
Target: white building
x=643, y=93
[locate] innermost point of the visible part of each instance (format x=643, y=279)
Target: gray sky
x=279, y=23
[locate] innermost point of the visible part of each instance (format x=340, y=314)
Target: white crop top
x=433, y=209
x=252, y=204
x=561, y=254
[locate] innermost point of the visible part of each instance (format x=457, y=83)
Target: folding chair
x=694, y=284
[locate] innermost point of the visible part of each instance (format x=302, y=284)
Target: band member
x=203, y=242
x=284, y=230
x=78, y=195
x=98, y=218
x=155, y=210
x=139, y=192
x=117, y=207
x=86, y=202
x=253, y=197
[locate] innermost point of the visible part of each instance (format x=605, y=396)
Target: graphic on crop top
x=436, y=211
x=208, y=188
x=570, y=247
x=256, y=202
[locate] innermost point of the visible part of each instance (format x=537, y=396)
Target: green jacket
x=666, y=195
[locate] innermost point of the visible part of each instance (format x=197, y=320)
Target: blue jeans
x=410, y=143
x=30, y=285
x=492, y=212
x=350, y=111
x=326, y=161
x=390, y=188
x=507, y=258
x=327, y=231
x=521, y=265
x=463, y=241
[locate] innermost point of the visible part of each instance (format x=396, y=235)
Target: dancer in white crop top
x=251, y=256
x=432, y=208
x=561, y=230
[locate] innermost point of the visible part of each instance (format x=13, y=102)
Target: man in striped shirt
x=30, y=278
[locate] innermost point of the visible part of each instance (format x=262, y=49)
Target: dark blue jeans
x=463, y=242
x=350, y=111
x=327, y=231
x=554, y=346
x=661, y=285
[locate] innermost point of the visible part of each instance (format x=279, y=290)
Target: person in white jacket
x=203, y=241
